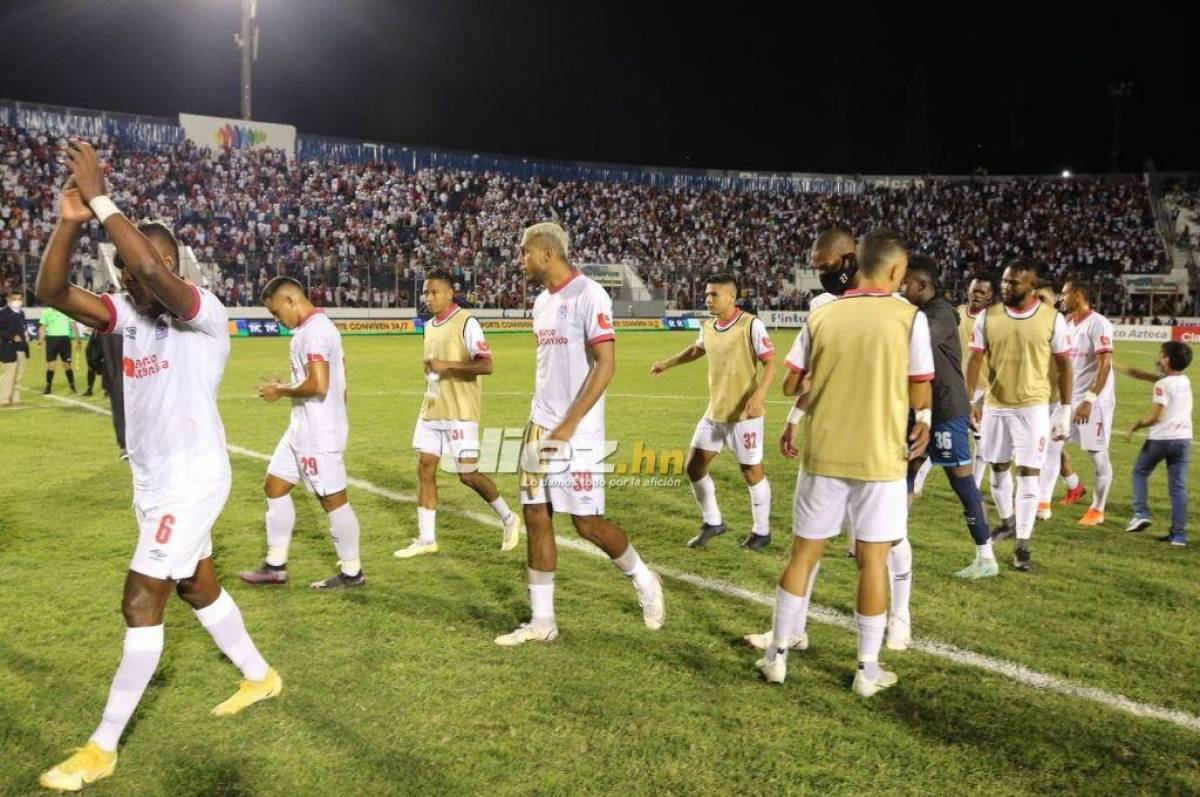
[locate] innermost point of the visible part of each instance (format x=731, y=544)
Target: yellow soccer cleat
x=416, y=548
x=512, y=533
x=1092, y=517
x=251, y=692
x=86, y=765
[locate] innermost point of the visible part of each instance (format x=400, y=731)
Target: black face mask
x=837, y=280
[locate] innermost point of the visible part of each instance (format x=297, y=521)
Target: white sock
x=980, y=467
x=1104, y=478
x=802, y=620
x=899, y=564
x=760, y=507
x=1071, y=481
x=501, y=509
x=281, y=519
x=922, y=475
x=788, y=609
x=706, y=496
x=1048, y=478
x=1002, y=492
x=425, y=523
x=985, y=551
x=541, y=597
x=139, y=660
x=343, y=527
x=1027, y=501
x=632, y=565
x=870, y=640
x=224, y=622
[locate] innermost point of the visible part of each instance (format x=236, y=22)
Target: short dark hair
x=1045, y=285
x=987, y=279
x=926, y=266
x=439, y=274
x=1179, y=354
x=1026, y=264
x=876, y=246
x=724, y=278
x=1083, y=286
x=159, y=229
x=276, y=283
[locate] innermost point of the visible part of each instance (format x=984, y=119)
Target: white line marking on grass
x=966, y=658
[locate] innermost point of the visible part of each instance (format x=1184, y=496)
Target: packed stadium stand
x=360, y=223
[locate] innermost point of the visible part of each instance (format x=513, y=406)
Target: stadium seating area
x=361, y=234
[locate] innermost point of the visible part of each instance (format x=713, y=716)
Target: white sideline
x=967, y=658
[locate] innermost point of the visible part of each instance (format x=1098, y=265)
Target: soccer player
x=951, y=444
x=56, y=331
x=1020, y=337
x=1170, y=423
x=1056, y=460
x=177, y=342
x=741, y=367
x=869, y=359
x=576, y=357
x=1094, y=402
x=313, y=447
x=456, y=355
x=980, y=296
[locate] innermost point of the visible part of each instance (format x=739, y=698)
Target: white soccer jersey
x=173, y=368
x=821, y=299
x=319, y=424
x=1174, y=393
x=566, y=321
x=1090, y=337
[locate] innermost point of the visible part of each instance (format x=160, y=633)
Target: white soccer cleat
x=654, y=608
x=864, y=688
x=773, y=670
x=527, y=632
x=512, y=532
x=899, y=634
x=417, y=548
x=763, y=641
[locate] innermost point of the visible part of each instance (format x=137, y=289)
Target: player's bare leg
x=280, y=521
x=792, y=598
x=760, y=507
x=541, y=557
x=217, y=612
x=427, y=504
x=871, y=614
x=705, y=491
x=485, y=488
x=609, y=538
x=345, y=533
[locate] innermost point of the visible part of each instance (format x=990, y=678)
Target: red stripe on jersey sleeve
x=793, y=367
x=112, y=314
x=196, y=301
x=920, y=377
x=601, y=338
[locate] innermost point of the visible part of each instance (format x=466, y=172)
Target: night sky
x=847, y=89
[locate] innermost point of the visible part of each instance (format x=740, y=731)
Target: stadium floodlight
x=1066, y=173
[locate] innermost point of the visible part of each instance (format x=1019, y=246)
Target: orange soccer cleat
x=1092, y=517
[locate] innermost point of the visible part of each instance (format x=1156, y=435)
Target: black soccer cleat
x=340, y=580
x=1005, y=530
x=707, y=532
x=1022, y=560
x=755, y=542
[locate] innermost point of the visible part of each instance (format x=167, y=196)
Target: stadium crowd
x=362, y=234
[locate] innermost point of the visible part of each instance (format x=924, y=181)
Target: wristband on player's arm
x=103, y=207
x=924, y=416
x=795, y=416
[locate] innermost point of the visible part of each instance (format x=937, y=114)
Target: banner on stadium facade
x=257, y=328
x=1132, y=332
x=784, y=318
x=609, y=276
x=507, y=324
x=375, y=326
x=681, y=322
x=1151, y=283
x=1187, y=333
x=638, y=323
x=218, y=133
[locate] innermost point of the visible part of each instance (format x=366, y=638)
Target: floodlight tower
x=247, y=42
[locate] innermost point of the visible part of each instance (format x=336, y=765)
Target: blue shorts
x=950, y=443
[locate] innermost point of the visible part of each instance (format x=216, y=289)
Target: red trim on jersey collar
x=975, y=315
x=304, y=320
x=1024, y=312
x=863, y=292
x=717, y=322
x=451, y=310
x=566, y=282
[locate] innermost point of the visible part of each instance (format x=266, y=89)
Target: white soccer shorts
x=575, y=487
x=1015, y=435
x=323, y=473
x=175, y=527
x=872, y=511
x=459, y=439
x=744, y=437
x=1095, y=434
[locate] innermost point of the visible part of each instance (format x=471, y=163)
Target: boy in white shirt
x=1170, y=423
